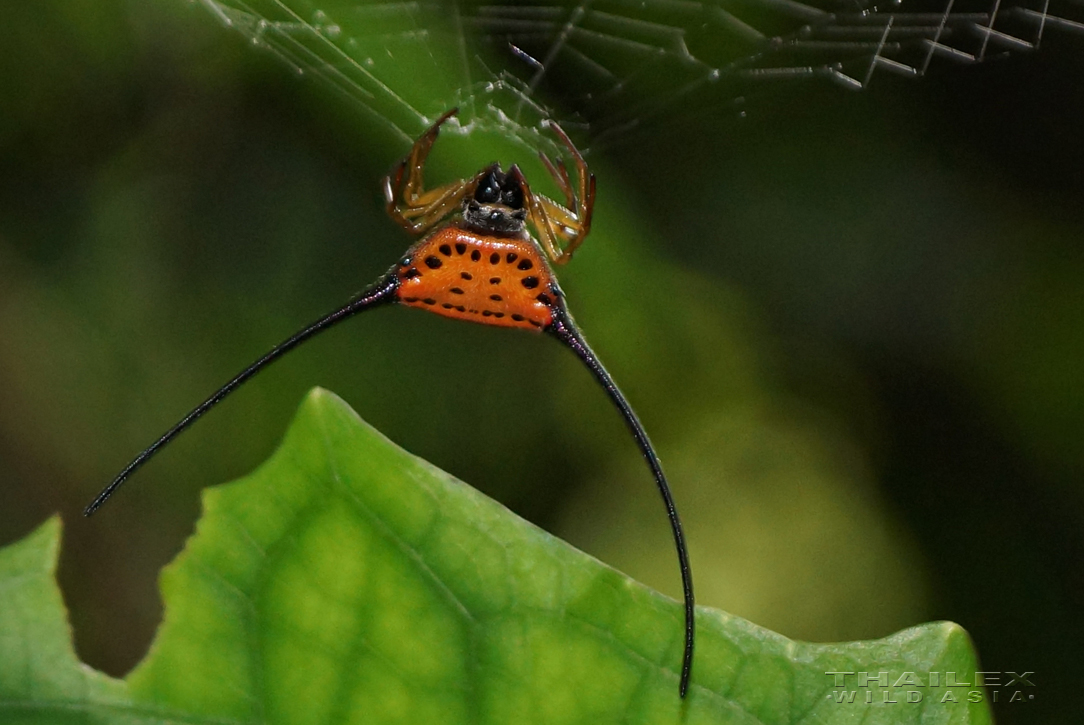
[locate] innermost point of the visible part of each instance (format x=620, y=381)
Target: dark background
x=853, y=323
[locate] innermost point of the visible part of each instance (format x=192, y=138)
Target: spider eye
x=512, y=194
x=489, y=189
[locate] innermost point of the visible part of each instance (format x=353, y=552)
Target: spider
x=484, y=266
x=478, y=262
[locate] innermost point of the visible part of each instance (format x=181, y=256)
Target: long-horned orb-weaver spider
x=478, y=263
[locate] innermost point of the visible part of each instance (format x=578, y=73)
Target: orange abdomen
x=491, y=280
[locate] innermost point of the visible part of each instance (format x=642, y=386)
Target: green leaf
x=346, y=581
x=41, y=679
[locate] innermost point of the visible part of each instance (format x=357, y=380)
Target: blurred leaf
x=348, y=581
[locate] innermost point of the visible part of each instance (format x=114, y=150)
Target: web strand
x=615, y=65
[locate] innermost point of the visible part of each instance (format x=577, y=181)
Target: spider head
x=497, y=206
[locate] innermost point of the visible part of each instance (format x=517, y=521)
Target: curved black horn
x=382, y=292
x=565, y=330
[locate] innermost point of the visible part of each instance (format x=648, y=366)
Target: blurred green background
x=852, y=323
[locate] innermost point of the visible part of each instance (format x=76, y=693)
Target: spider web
x=612, y=66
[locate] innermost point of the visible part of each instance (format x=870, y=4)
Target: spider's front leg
x=407, y=201
x=571, y=223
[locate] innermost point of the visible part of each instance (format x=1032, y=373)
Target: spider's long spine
x=382, y=292
x=565, y=330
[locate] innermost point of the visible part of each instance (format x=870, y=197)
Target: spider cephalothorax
x=497, y=204
x=561, y=228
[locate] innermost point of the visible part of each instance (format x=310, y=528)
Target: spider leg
x=438, y=203
x=586, y=197
x=407, y=201
x=561, y=223
x=583, y=226
x=566, y=225
x=547, y=233
x=415, y=160
x=560, y=174
x=420, y=218
x=575, y=219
